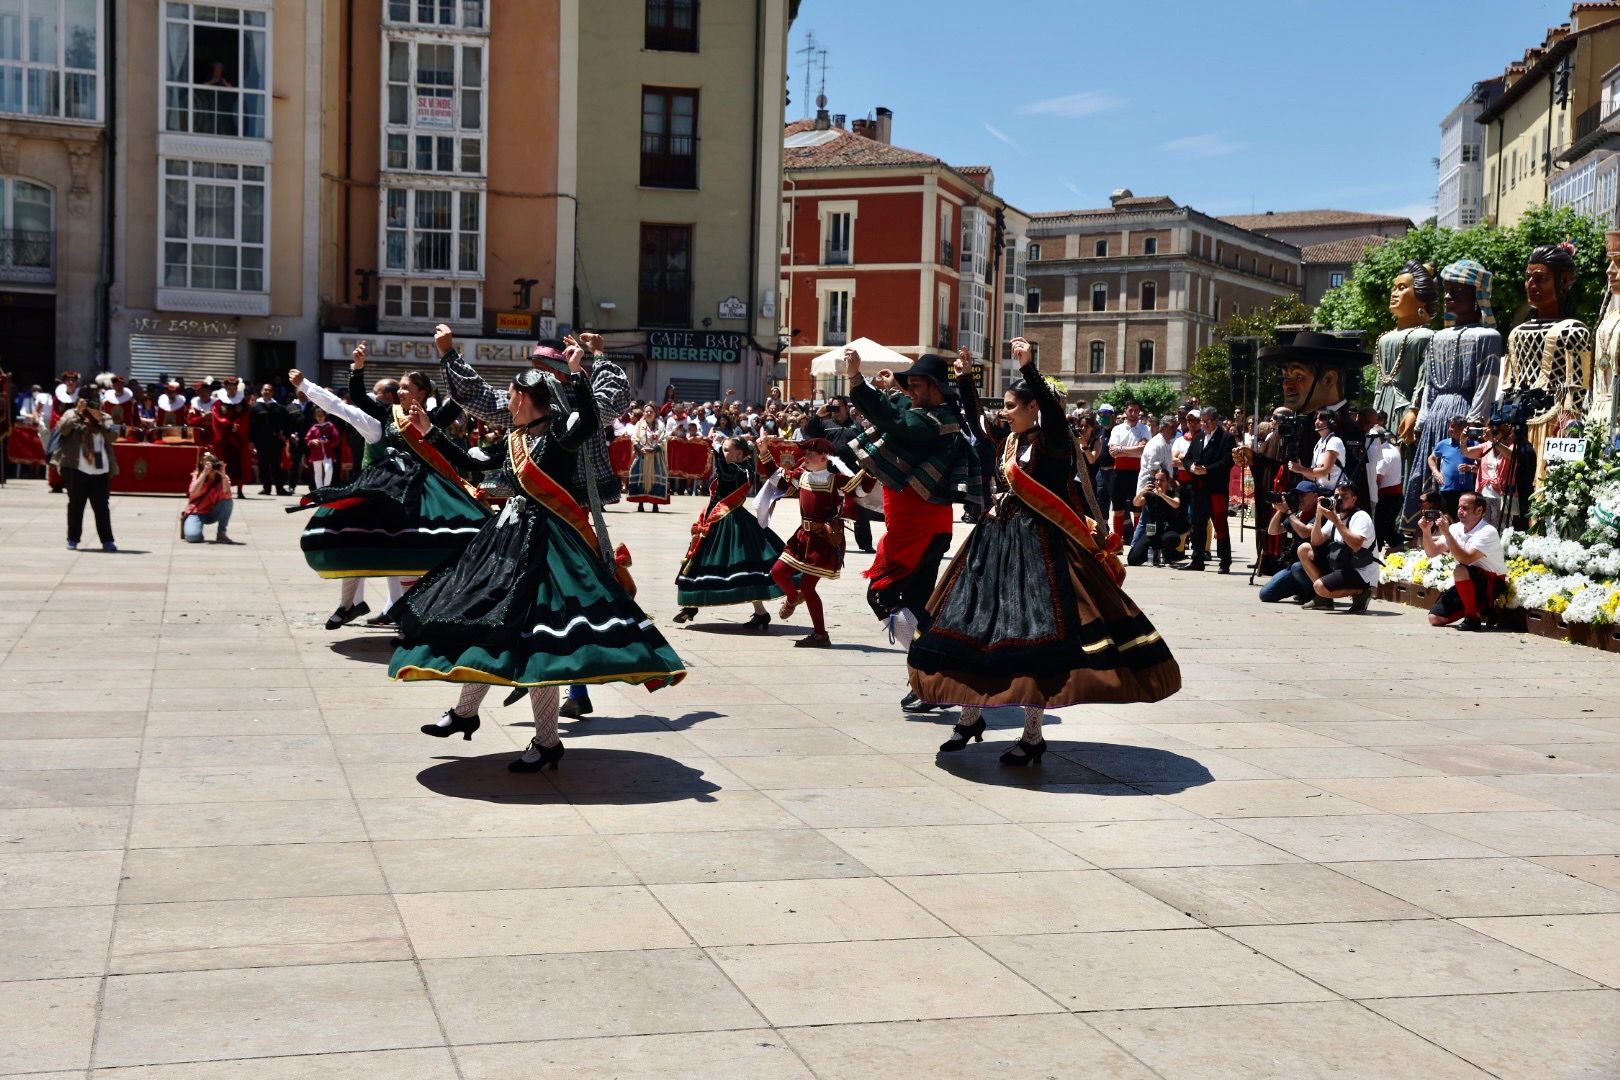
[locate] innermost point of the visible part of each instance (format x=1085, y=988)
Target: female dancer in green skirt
x=731, y=554
x=530, y=603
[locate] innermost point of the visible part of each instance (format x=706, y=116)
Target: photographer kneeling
x=1343, y=538
x=1481, y=567
x=1293, y=513
x=1162, y=525
x=208, y=502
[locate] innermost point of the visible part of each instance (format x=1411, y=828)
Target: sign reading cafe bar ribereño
x=698, y=346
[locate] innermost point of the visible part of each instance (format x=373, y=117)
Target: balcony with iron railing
x=27, y=257
x=668, y=161
x=948, y=253
x=835, y=256
x=829, y=336
x=1587, y=122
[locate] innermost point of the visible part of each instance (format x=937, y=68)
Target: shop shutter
x=154, y=357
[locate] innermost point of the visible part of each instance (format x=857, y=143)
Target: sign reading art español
x=696, y=346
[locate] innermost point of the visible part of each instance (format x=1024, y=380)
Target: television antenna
x=814, y=54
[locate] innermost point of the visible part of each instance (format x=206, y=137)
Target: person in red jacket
x=229, y=419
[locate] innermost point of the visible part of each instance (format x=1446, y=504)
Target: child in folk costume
x=321, y=442
x=816, y=548
x=1030, y=611
x=731, y=555
x=531, y=604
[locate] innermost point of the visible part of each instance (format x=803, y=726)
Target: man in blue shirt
x=1453, y=470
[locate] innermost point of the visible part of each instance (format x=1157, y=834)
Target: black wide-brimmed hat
x=929, y=366
x=1309, y=347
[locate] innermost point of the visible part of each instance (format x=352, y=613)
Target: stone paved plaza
x=1353, y=847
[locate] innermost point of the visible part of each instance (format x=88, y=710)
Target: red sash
x=1045, y=502
x=540, y=487
x=430, y=456
x=701, y=527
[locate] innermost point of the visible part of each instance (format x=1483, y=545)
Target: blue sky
x=1226, y=105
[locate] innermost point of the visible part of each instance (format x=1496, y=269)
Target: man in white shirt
x=1384, y=479
x=1481, y=566
x=1339, y=558
x=1125, y=444
x=1156, y=454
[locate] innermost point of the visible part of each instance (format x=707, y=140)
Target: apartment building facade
x=892, y=244
x=53, y=182
x=1135, y=289
x=1460, y=196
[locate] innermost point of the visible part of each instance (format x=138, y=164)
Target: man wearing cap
x=611, y=391
x=1291, y=517
x=229, y=419
x=918, y=450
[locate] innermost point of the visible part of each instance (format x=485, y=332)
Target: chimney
x=866, y=129
x=839, y=119
x=823, y=118
x=885, y=124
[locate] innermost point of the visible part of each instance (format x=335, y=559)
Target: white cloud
x=1419, y=212
x=1001, y=136
x=1204, y=146
x=1072, y=189
x=1072, y=106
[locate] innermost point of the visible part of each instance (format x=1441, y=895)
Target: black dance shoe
x=760, y=623
x=685, y=614
x=549, y=755
x=913, y=704
x=576, y=707
x=962, y=735
x=462, y=725
x=1031, y=754
x=385, y=619
x=343, y=616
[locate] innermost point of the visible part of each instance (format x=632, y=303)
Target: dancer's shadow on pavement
x=587, y=776
x=1095, y=768
x=367, y=649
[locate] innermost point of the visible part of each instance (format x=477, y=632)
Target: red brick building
x=895, y=245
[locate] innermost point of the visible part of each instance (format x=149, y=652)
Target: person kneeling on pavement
x=1163, y=527
x=1481, y=568
x=208, y=502
x=1339, y=558
x=1294, y=513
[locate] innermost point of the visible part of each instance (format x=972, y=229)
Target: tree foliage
x=1155, y=395
x=1362, y=302
x=1209, y=379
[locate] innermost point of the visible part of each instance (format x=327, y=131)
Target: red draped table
x=154, y=468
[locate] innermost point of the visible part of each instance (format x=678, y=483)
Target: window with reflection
x=50, y=58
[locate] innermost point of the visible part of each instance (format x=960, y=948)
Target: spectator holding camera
x=1161, y=530
x=1451, y=466
x=1339, y=558
x=208, y=502
x=1481, y=566
x=84, y=457
x=1327, y=459
x=1292, y=515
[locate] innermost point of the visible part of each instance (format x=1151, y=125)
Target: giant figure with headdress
x=1319, y=373
x=1460, y=377
x=1549, y=356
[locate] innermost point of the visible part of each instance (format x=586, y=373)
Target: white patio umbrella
x=873, y=357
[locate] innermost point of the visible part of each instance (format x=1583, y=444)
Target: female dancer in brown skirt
x=1031, y=611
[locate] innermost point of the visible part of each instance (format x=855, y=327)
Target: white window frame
x=827, y=214
x=1335, y=279
x=404, y=318
x=191, y=89
x=827, y=305
x=1034, y=253
x=947, y=233
x=412, y=129
x=972, y=314
x=456, y=231
x=460, y=8
x=943, y=312
x=19, y=74
x=33, y=272
x=193, y=297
